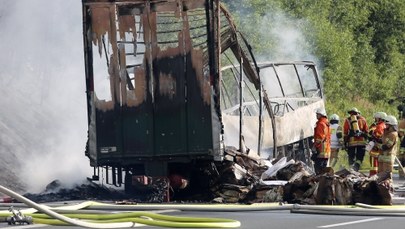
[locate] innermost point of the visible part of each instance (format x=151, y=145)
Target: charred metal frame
x=164, y=107
x=165, y=103
x=281, y=104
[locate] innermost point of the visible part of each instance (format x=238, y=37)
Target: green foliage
x=358, y=45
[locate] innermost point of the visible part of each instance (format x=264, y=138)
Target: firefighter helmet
x=321, y=111
x=334, y=117
x=391, y=120
x=353, y=110
x=380, y=115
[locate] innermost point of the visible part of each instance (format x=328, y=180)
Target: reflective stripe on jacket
x=348, y=134
x=389, y=140
x=322, y=137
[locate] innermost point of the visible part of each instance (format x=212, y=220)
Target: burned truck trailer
x=159, y=100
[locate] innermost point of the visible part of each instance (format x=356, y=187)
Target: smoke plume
x=43, y=120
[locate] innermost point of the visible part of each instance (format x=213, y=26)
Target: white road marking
x=352, y=222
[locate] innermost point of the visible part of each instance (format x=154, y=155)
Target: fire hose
x=96, y=219
x=357, y=209
x=118, y=220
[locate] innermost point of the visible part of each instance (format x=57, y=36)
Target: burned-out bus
x=161, y=100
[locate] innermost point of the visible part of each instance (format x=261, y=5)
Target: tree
x=359, y=45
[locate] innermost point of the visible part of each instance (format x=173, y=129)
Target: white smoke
x=281, y=39
x=42, y=79
x=287, y=38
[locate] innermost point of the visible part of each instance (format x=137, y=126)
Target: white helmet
x=334, y=117
x=321, y=111
x=380, y=115
x=353, y=110
x=391, y=120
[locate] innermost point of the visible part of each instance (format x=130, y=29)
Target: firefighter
x=336, y=139
x=321, y=146
x=401, y=135
x=355, y=131
x=375, y=134
x=388, y=145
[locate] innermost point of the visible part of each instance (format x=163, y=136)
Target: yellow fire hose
x=75, y=215
x=144, y=218
x=118, y=220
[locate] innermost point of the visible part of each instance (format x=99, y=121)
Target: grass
x=343, y=162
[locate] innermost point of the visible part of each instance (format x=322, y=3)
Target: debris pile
x=248, y=179
x=244, y=178
x=85, y=191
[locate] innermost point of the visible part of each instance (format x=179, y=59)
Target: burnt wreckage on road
x=171, y=84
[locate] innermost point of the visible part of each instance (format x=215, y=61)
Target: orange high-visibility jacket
x=322, y=137
x=378, y=131
x=355, y=140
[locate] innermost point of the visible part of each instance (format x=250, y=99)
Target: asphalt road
x=283, y=220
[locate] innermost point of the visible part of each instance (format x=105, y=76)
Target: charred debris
x=171, y=84
x=243, y=179
x=164, y=110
